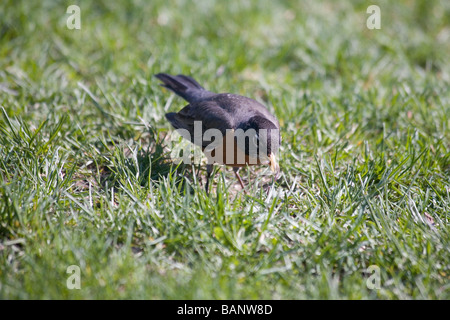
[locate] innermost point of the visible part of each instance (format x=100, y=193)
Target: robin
x=244, y=131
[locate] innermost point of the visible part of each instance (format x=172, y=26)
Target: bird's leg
x=209, y=170
x=277, y=175
x=197, y=174
x=270, y=188
x=236, y=169
x=274, y=179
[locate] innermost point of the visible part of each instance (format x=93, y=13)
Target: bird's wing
x=205, y=115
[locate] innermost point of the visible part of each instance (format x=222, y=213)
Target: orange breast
x=228, y=153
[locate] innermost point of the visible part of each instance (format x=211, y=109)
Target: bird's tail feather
x=184, y=86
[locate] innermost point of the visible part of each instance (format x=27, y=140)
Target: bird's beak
x=274, y=163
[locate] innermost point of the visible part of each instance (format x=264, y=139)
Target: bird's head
x=263, y=140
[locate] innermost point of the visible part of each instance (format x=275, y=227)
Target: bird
x=245, y=132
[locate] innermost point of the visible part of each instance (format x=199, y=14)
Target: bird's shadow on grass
x=149, y=164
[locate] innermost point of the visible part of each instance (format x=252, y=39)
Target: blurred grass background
x=86, y=179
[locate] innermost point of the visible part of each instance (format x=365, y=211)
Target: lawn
x=362, y=206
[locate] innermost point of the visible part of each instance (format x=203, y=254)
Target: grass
x=86, y=176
